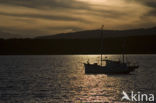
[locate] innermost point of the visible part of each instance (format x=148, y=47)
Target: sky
x=30, y=18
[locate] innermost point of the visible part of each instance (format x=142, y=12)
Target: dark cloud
x=41, y=16
x=151, y=4
x=45, y=4
x=153, y=11
x=62, y=5
x=148, y=3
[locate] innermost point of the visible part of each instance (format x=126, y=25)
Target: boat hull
x=118, y=69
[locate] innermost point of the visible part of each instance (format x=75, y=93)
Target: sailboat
x=111, y=66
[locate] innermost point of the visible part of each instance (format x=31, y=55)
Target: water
x=57, y=79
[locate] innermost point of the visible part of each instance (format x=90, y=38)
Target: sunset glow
x=35, y=17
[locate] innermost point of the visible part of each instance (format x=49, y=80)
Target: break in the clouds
x=31, y=18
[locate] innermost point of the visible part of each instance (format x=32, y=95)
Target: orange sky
x=30, y=18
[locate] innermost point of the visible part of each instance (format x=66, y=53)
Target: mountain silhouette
x=138, y=41
x=89, y=34
x=7, y=35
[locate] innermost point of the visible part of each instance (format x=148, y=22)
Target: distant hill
x=12, y=35
x=89, y=34
x=7, y=35
x=139, y=41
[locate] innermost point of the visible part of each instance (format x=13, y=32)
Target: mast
x=123, y=53
x=123, y=57
x=101, y=42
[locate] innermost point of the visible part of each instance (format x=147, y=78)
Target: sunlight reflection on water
x=61, y=78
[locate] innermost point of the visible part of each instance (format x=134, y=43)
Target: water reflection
x=62, y=79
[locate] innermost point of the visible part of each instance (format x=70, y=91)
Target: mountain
x=7, y=35
x=139, y=41
x=89, y=34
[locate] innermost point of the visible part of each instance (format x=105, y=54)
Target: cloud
x=43, y=17
x=149, y=3
x=47, y=4
x=47, y=16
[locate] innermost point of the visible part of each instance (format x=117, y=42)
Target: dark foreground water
x=57, y=79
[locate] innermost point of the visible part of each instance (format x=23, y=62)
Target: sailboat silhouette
x=111, y=67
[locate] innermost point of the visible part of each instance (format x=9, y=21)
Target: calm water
x=57, y=79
